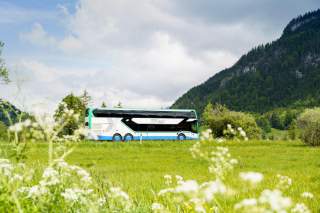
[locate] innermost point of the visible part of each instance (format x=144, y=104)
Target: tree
x=211, y=110
x=275, y=120
x=4, y=74
x=119, y=105
x=75, y=103
x=103, y=105
x=86, y=98
x=289, y=117
x=207, y=113
x=264, y=124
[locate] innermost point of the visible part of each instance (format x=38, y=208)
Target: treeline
x=263, y=126
x=281, y=119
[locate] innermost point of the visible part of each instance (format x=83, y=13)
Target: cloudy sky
x=143, y=53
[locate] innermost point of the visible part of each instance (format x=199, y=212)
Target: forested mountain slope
x=283, y=73
x=9, y=113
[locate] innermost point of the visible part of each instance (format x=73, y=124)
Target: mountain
x=283, y=73
x=8, y=109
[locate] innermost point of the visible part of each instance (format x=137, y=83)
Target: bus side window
x=151, y=127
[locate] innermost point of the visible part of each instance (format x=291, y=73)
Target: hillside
x=8, y=109
x=283, y=73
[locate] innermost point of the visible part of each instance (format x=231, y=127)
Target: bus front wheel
x=117, y=137
x=128, y=137
x=181, y=137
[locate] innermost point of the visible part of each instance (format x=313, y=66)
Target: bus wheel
x=117, y=137
x=128, y=137
x=181, y=137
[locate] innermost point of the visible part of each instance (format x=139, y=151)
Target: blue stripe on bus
x=108, y=138
x=104, y=138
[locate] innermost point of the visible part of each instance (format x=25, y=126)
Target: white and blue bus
x=137, y=124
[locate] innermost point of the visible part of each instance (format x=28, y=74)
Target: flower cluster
x=206, y=135
x=284, y=182
x=307, y=195
x=67, y=187
x=251, y=177
x=221, y=162
x=269, y=200
x=235, y=133
x=45, y=127
x=61, y=187
x=190, y=196
x=219, y=159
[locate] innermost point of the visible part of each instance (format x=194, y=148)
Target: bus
x=117, y=124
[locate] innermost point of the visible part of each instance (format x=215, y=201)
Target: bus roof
x=144, y=109
x=144, y=113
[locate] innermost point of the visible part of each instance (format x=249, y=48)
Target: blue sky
x=143, y=53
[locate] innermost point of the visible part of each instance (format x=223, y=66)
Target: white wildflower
x=284, y=182
x=206, y=135
x=220, y=162
x=243, y=133
x=187, y=187
x=101, y=201
x=37, y=191
x=17, y=177
x=116, y=192
x=165, y=191
x=49, y=172
x=246, y=203
x=220, y=140
x=61, y=164
x=252, y=177
x=50, y=177
x=179, y=178
x=71, y=195
x=209, y=189
x=157, y=207
x=275, y=200
x=308, y=195
x=27, y=123
x=300, y=208
x=23, y=189
x=196, y=150
x=168, y=179
x=199, y=209
x=6, y=167
x=75, y=194
x=16, y=127
x=234, y=161
x=85, y=176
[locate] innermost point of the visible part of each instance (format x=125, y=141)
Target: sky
x=144, y=53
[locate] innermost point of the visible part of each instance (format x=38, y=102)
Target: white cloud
x=142, y=54
x=39, y=36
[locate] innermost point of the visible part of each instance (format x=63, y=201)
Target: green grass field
x=139, y=168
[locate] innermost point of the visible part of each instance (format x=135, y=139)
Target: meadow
x=139, y=168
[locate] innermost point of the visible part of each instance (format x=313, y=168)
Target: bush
x=309, y=124
x=218, y=117
x=73, y=104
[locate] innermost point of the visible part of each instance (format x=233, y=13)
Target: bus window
x=194, y=127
